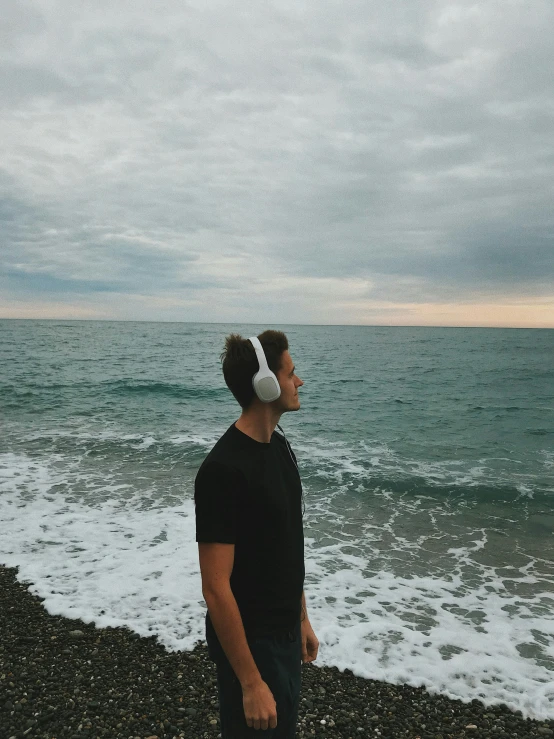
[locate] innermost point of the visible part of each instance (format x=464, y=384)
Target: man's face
x=289, y=382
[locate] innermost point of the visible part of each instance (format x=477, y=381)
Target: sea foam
x=118, y=562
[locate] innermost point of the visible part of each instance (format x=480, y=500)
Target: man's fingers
x=263, y=724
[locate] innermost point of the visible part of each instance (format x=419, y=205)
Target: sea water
x=427, y=460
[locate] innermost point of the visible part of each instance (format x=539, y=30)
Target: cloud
x=189, y=160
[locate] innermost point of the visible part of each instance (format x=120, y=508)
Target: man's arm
x=304, y=613
x=310, y=642
x=216, y=565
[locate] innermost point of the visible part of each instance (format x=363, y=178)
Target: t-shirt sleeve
x=216, y=491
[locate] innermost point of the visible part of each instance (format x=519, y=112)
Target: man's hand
x=260, y=709
x=310, y=643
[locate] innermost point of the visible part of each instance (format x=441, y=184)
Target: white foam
x=115, y=563
x=335, y=459
x=422, y=631
x=548, y=464
x=205, y=441
x=116, y=434
x=146, y=442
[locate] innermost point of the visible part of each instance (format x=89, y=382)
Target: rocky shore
x=63, y=679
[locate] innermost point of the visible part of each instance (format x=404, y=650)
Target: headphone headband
x=260, y=354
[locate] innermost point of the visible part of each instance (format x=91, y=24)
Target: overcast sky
x=294, y=161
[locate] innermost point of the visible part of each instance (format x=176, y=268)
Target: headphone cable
x=291, y=456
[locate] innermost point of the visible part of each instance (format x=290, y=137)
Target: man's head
x=240, y=364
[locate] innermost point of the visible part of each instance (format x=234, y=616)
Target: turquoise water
x=427, y=457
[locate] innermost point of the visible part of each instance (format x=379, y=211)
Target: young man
x=251, y=547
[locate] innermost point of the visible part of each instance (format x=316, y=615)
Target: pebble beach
x=64, y=679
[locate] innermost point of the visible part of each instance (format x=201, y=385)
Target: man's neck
x=258, y=422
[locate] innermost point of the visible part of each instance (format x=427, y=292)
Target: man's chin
x=292, y=409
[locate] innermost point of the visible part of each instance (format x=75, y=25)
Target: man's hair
x=240, y=362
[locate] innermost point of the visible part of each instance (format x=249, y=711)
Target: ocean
x=427, y=460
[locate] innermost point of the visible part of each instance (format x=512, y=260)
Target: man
x=251, y=547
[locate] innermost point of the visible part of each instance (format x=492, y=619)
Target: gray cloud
x=394, y=152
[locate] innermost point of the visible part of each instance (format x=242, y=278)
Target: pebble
x=115, y=685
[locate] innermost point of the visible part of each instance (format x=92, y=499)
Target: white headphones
x=265, y=383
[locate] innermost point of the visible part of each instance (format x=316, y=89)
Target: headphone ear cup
x=265, y=383
x=266, y=386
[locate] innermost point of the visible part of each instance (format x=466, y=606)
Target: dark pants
x=278, y=659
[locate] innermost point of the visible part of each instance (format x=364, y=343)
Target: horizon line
x=253, y=323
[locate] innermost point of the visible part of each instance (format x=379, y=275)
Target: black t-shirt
x=248, y=493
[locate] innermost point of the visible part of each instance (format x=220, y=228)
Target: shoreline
x=63, y=679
